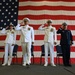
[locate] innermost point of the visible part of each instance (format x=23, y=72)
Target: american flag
x=39, y=11
x=8, y=12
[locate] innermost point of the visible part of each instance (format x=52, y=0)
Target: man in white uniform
x=49, y=41
x=27, y=39
x=9, y=43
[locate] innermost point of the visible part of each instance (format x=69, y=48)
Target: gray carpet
x=37, y=70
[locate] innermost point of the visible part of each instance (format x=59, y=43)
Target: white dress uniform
x=27, y=37
x=49, y=39
x=10, y=39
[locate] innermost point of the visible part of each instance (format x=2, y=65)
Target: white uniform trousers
x=26, y=48
x=8, y=49
x=49, y=46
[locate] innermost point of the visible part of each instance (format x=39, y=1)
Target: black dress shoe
x=65, y=65
x=69, y=65
x=28, y=65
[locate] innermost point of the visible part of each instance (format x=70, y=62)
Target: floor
x=36, y=70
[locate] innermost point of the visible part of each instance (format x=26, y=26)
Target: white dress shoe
x=46, y=64
x=53, y=65
x=24, y=64
x=28, y=63
x=4, y=64
x=9, y=64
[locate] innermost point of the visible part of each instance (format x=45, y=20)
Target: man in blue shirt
x=65, y=42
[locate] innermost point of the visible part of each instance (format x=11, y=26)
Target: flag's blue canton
x=8, y=12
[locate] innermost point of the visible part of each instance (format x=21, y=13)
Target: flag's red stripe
x=37, y=60
x=53, y=17
x=71, y=27
x=47, y=0
x=37, y=37
x=38, y=48
x=41, y=37
x=45, y=7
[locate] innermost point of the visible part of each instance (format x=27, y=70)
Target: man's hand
x=7, y=27
x=22, y=23
x=71, y=42
x=13, y=44
x=61, y=27
x=43, y=24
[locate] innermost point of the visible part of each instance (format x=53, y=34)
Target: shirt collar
x=49, y=26
x=26, y=26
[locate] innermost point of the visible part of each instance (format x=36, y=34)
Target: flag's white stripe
x=36, y=54
x=2, y=43
x=49, y=12
x=48, y=3
x=36, y=43
x=39, y=32
x=57, y=22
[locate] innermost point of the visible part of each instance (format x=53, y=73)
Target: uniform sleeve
x=59, y=31
x=42, y=27
x=71, y=37
x=14, y=37
x=32, y=34
x=18, y=27
x=3, y=31
x=55, y=35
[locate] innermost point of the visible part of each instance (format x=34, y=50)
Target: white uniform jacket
x=50, y=34
x=27, y=33
x=10, y=36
